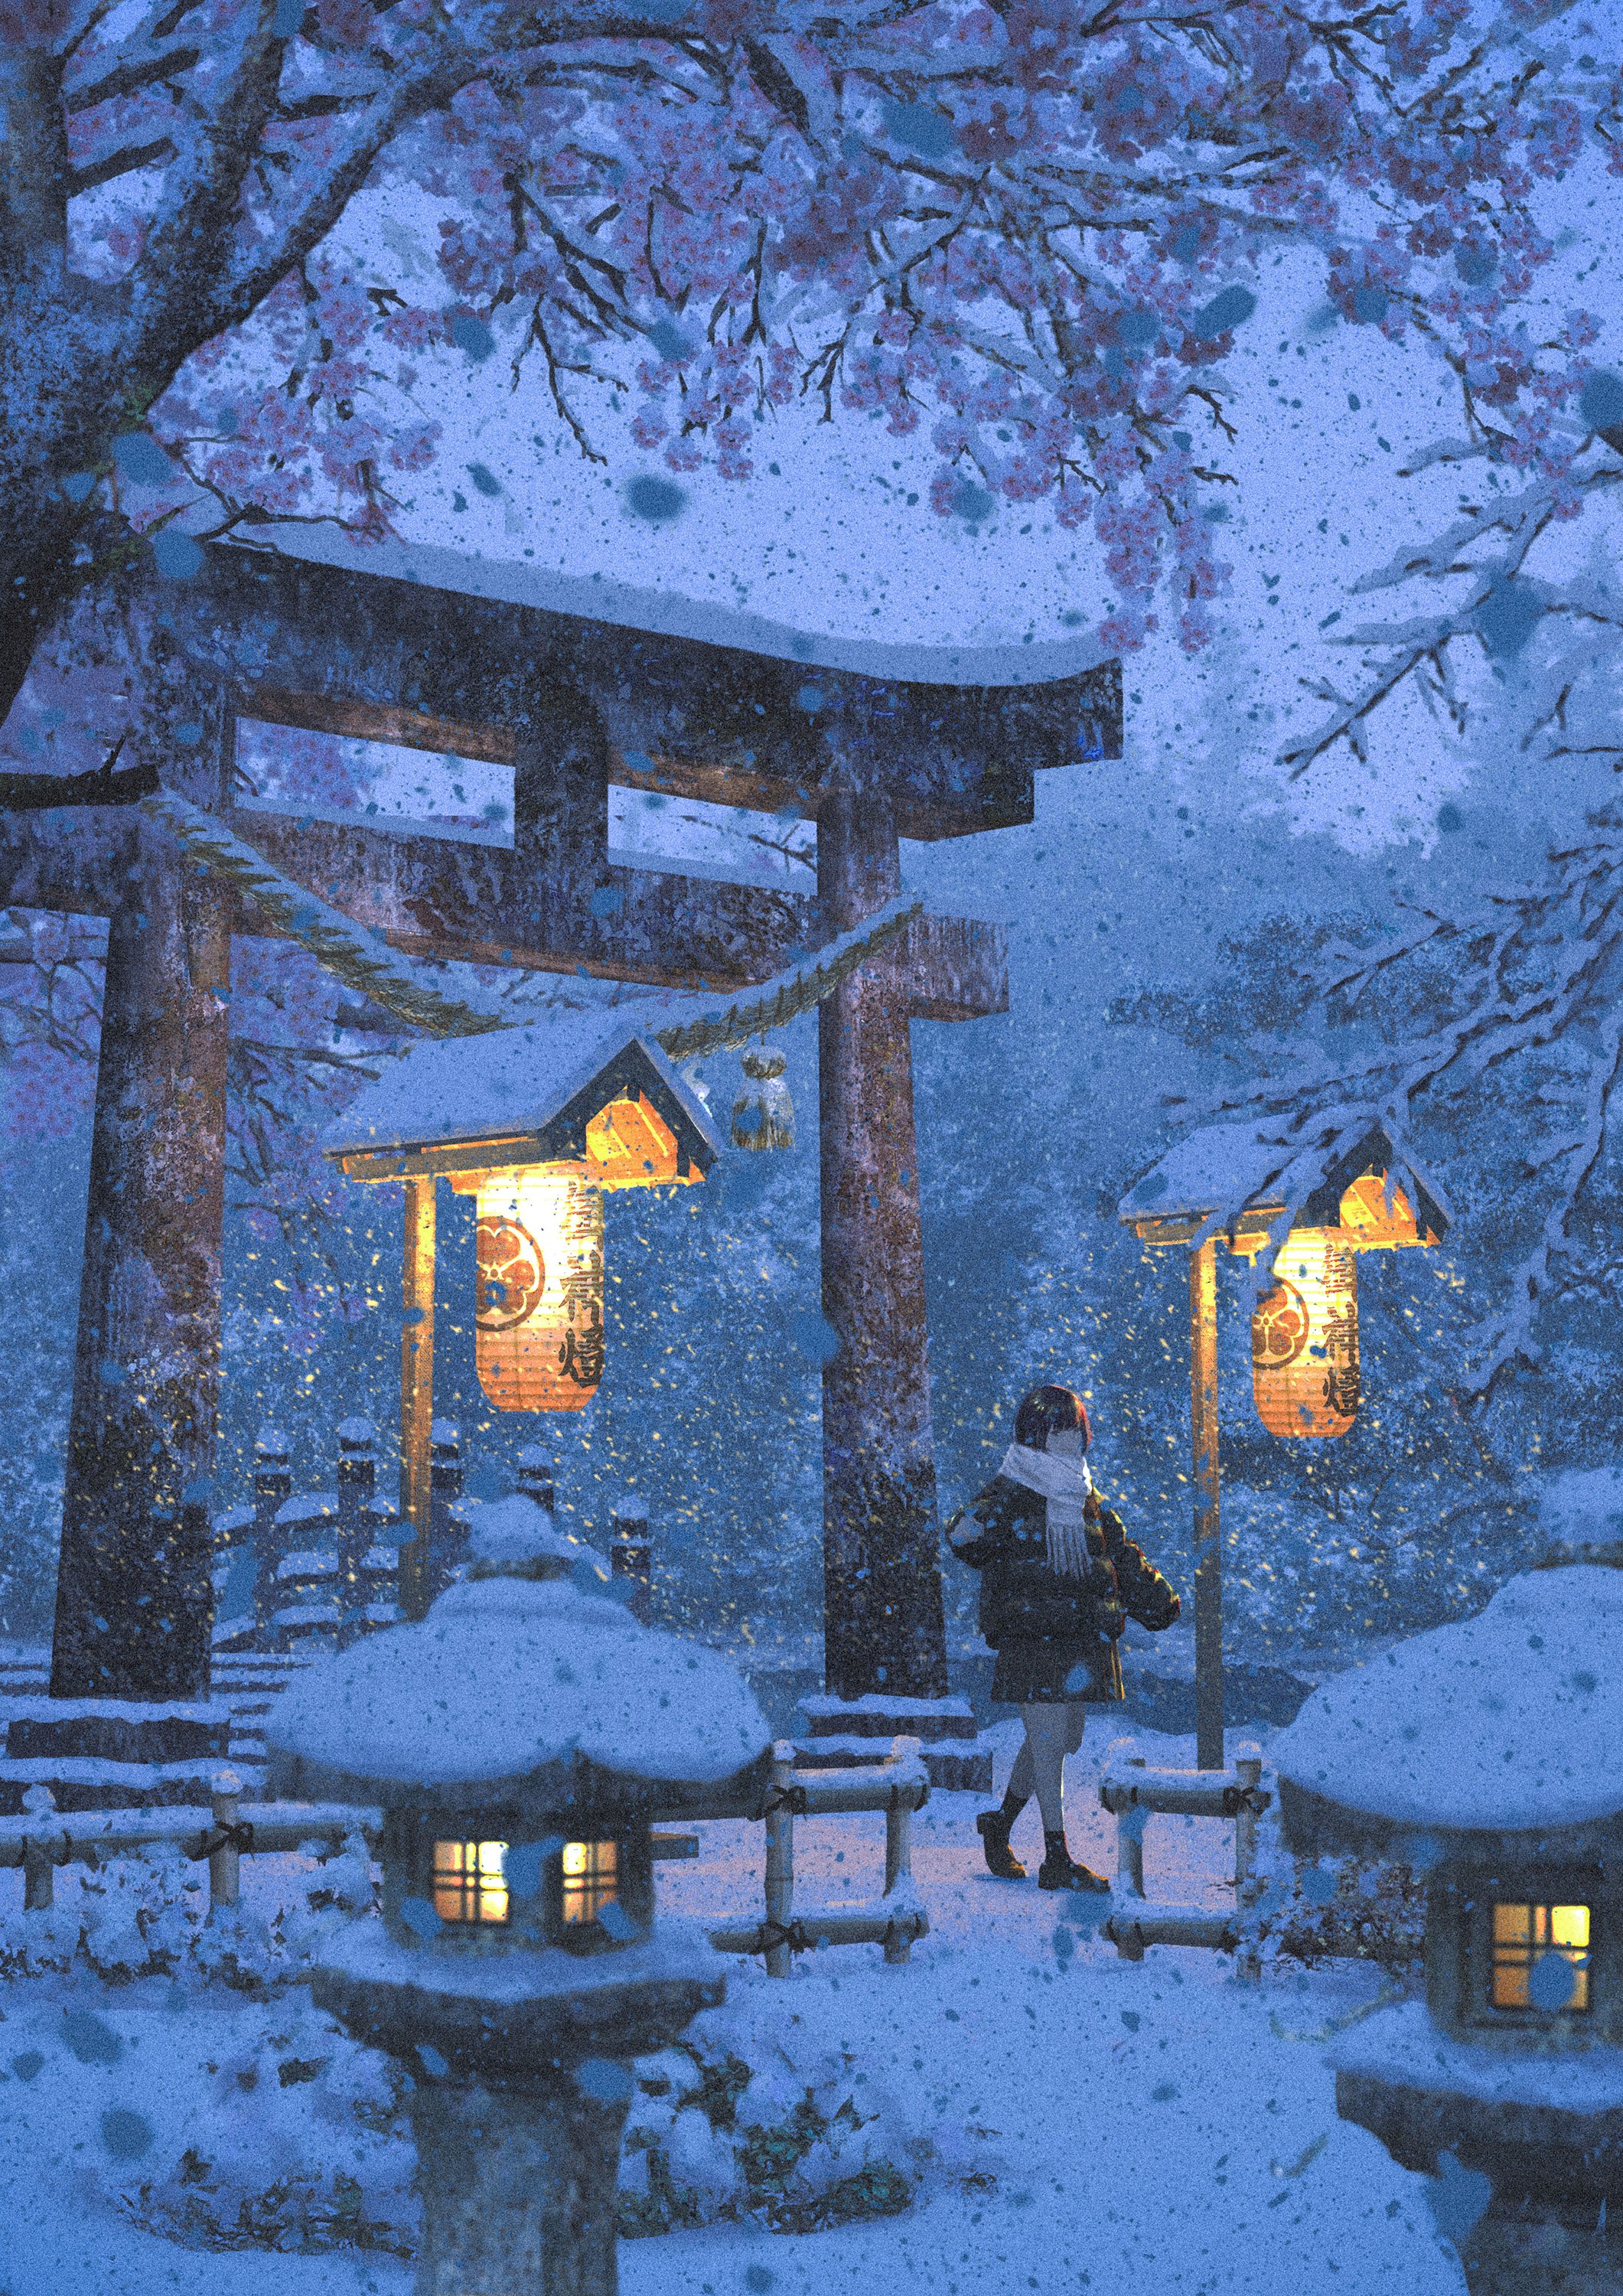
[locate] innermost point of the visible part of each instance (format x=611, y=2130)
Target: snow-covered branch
x=1523, y=979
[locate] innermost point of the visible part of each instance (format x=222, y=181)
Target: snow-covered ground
x=1128, y=2130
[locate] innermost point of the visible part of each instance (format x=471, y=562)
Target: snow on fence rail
x=231, y=1829
x=1130, y=1790
x=898, y=1787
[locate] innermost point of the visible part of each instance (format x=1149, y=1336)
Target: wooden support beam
x=133, y=1605
x=882, y=1614
x=433, y=897
x=1208, y=1539
x=416, y=1389
x=957, y=968
x=545, y=906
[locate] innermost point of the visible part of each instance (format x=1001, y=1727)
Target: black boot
x=993, y=1827
x=1060, y=1871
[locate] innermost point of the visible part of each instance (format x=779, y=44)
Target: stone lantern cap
x=519, y=1530
x=531, y=1681
x=1510, y=1722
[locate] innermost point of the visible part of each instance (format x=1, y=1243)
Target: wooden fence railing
x=1130, y=1790
x=230, y=1829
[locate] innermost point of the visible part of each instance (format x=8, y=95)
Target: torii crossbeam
x=900, y=745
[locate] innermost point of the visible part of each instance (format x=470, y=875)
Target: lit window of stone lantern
x=518, y=1740
x=1487, y=1755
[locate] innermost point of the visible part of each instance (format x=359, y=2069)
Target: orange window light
x=1522, y=1936
x=590, y=1879
x=470, y=1881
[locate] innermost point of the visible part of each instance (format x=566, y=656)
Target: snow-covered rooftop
x=511, y=1081
x=506, y=1676
x=1257, y=1164
x=1511, y=1720
x=666, y=612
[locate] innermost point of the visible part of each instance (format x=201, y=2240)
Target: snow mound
x=506, y=1675
x=1513, y=1719
x=1402, y=2045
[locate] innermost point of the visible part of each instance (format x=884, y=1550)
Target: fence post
x=357, y=1475
x=226, y=1861
x=447, y=1529
x=536, y=1476
x=631, y=1554
x=898, y=1843
x=1130, y=1839
x=273, y=1487
x=273, y=1478
x=780, y=1853
x=38, y=1864
x=1248, y=1771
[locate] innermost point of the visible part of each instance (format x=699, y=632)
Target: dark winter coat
x=1055, y=1635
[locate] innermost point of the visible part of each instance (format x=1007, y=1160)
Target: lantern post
x=417, y=1388
x=1208, y=1538
x=1304, y=1332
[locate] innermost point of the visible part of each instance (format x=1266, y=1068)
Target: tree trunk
x=882, y=1622
x=134, y=1601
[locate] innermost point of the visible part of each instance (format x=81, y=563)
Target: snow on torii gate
x=575, y=685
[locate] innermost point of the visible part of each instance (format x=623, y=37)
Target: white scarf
x=1065, y=1483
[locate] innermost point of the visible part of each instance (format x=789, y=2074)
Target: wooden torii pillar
x=882, y=1626
x=573, y=704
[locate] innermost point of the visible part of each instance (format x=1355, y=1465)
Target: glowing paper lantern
x=1305, y=1329
x=538, y=1312
x=536, y=1123
x=1305, y=1337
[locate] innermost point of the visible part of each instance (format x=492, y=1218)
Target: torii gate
x=897, y=745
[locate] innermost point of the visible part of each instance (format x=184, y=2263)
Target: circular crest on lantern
x=1280, y=1326
x=510, y=1274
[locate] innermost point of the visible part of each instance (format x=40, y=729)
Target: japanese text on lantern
x=1305, y=1338
x=539, y=1314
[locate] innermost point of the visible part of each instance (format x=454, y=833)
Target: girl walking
x=1059, y=1580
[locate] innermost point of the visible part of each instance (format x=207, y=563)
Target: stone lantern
x=1490, y=1756
x=518, y=1740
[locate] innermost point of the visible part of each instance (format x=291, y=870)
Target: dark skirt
x=1032, y=1673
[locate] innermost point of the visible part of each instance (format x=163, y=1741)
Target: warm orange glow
x=1370, y=1224
x=1305, y=1337
x=591, y=1878
x=630, y=1145
x=1522, y=1936
x=540, y=1309
x=470, y=1881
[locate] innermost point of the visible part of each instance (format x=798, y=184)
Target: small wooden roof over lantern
x=1249, y=1175
x=592, y=1088
x=1317, y=1199
x=1305, y=1368
x=537, y=1122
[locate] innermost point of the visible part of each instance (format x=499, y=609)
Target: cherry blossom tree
x=1026, y=224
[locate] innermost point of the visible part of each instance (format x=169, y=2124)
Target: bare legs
x=1051, y=1732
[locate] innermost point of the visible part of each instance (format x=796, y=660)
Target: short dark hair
x=1048, y=1411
